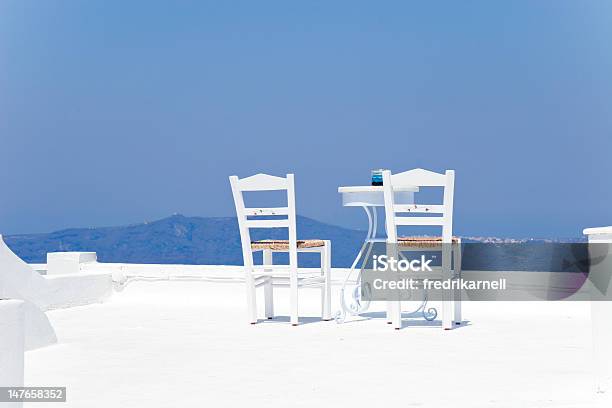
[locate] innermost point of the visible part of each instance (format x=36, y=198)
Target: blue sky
x=117, y=112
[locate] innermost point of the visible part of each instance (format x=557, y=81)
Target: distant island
x=202, y=241
x=179, y=240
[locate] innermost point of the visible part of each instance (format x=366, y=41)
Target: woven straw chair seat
x=283, y=244
x=422, y=242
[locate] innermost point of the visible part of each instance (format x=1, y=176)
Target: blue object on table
x=377, y=179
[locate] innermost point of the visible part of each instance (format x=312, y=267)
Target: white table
x=369, y=198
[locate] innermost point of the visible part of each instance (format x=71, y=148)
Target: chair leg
x=457, y=293
x=394, y=310
x=326, y=288
x=250, y=297
x=392, y=252
x=268, y=288
x=269, y=299
x=447, y=303
x=293, y=288
x=397, y=314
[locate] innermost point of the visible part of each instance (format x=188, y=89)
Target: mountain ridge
x=178, y=239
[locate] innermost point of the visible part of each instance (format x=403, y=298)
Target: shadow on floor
x=285, y=320
x=410, y=319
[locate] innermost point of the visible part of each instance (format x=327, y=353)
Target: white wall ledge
x=62, y=263
x=597, y=231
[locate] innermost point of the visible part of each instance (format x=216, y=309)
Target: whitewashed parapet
x=601, y=310
x=11, y=346
x=600, y=234
x=70, y=282
x=62, y=263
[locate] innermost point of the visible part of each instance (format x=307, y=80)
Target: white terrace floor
x=186, y=344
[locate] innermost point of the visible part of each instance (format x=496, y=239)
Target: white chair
x=269, y=274
x=451, y=304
